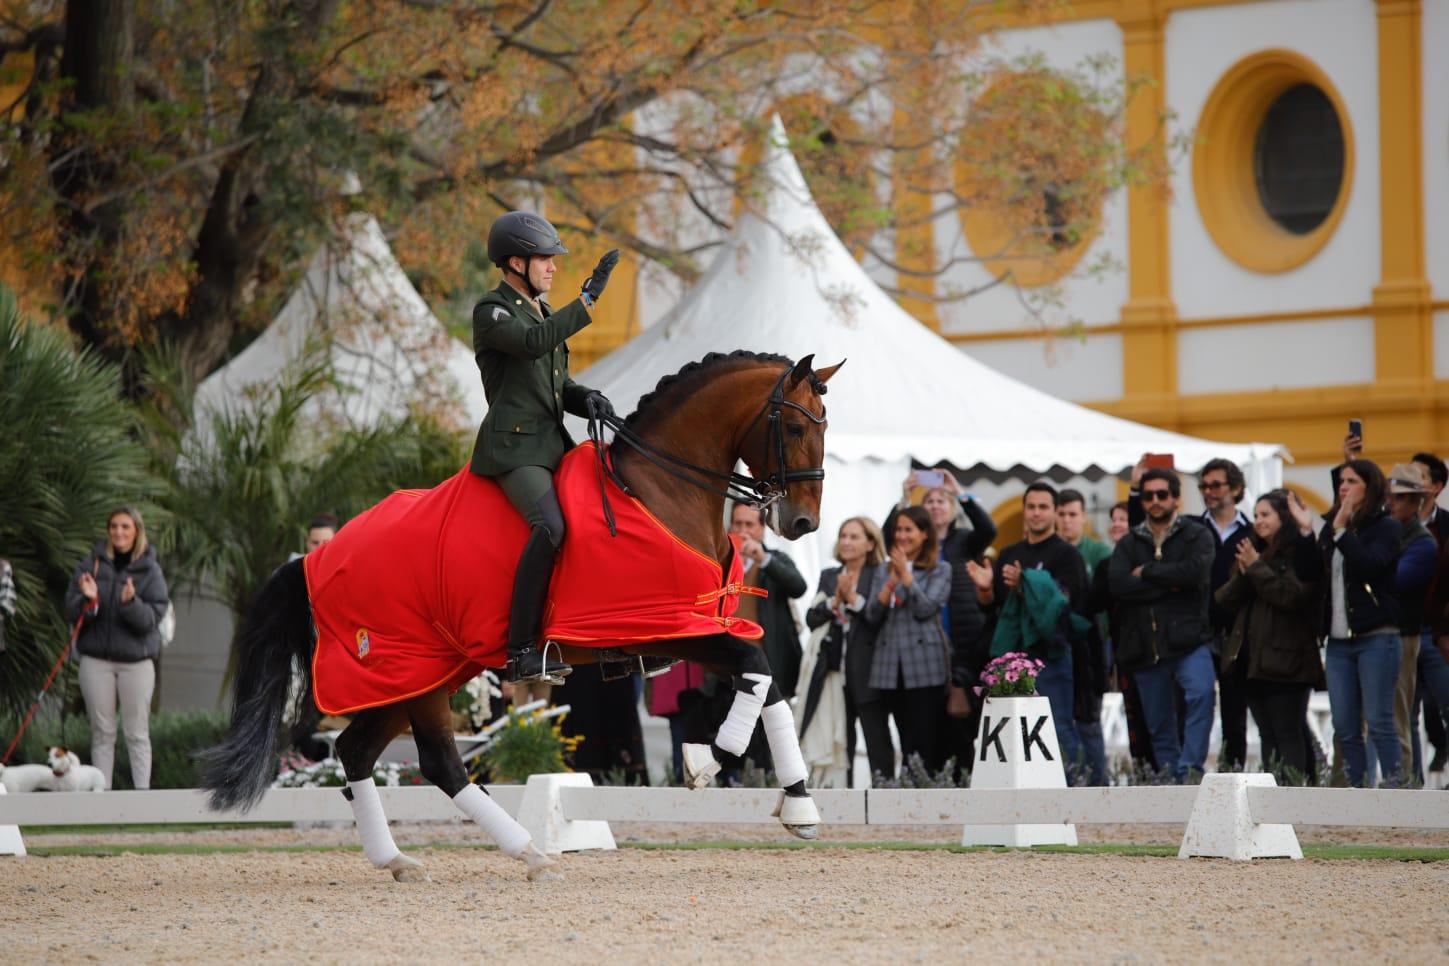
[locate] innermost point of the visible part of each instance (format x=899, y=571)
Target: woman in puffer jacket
x=120, y=596
x=1274, y=592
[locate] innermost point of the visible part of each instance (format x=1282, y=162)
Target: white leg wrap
x=377, y=840
x=501, y=827
x=739, y=724
x=784, y=746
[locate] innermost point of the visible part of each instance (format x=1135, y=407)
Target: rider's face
x=540, y=272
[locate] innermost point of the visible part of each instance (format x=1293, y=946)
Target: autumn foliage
x=166, y=168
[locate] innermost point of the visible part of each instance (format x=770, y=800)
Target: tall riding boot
x=527, y=660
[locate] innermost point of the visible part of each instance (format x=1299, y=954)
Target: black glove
x=595, y=401
x=594, y=287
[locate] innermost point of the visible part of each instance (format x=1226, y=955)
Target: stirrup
x=652, y=667
x=520, y=666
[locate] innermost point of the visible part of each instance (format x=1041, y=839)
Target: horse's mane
x=683, y=382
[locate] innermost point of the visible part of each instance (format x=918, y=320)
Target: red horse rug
x=414, y=593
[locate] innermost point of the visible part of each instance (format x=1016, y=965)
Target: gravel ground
x=833, y=905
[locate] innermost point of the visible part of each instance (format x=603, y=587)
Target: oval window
x=1298, y=159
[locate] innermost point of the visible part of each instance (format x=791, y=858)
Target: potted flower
x=1012, y=675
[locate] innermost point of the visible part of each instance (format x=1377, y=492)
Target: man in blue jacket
x=1160, y=574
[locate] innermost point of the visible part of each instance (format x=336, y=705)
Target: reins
x=763, y=493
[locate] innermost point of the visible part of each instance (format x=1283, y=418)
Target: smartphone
x=930, y=478
x=1159, y=461
x=1355, y=428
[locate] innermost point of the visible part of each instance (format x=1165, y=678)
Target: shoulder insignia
x=499, y=313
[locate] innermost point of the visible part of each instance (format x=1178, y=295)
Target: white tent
x=387, y=347
x=785, y=283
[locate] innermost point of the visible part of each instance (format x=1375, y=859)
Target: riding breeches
x=530, y=490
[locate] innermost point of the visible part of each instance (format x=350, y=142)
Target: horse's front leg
x=358, y=748
x=756, y=698
x=440, y=764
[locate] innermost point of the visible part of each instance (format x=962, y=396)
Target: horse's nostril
x=803, y=525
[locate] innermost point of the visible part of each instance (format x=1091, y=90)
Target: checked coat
x=910, y=650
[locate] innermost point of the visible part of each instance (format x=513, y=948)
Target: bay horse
x=694, y=428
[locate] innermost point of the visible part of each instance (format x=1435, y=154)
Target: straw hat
x=1407, y=478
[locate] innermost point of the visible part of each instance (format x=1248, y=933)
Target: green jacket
x=525, y=367
x=1031, y=621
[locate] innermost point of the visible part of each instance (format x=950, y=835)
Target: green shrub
x=176, y=738
x=528, y=745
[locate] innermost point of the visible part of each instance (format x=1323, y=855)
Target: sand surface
x=749, y=905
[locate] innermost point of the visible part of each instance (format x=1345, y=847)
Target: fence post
x=10, y=841
x=542, y=814
x=1222, y=825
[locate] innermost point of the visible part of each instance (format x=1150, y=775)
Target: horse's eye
x=795, y=430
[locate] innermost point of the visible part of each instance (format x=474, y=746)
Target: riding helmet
x=522, y=233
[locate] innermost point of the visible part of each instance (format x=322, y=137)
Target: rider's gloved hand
x=599, y=403
x=594, y=286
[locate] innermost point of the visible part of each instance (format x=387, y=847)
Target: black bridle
x=760, y=492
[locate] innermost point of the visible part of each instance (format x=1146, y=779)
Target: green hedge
x=176, y=737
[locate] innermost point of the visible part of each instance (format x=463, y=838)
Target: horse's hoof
x=799, y=815
x=405, y=868
x=700, y=766
x=541, y=868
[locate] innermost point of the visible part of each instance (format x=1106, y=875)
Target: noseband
x=761, y=492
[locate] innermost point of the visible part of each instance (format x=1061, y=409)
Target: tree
x=67, y=458
x=167, y=164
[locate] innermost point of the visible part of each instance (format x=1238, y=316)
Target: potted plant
x=1012, y=675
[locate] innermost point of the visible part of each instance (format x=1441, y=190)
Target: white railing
x=1236, y=806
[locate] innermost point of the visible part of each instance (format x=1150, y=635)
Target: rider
x=519, y=343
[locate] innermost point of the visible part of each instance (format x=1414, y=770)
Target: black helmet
x=522, y=233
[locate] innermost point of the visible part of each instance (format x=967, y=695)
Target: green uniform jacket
x=525, y=367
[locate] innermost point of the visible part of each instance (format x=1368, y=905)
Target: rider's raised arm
x=500, y=327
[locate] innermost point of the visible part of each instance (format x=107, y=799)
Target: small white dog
x=27, y=778
x=70, y=775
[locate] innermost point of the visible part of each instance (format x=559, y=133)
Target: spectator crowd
x=1244, y=609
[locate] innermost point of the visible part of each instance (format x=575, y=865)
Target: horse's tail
x=276, y=636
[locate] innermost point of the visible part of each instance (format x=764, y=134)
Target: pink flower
x=1011, y=676
x=978, y=691
x=990, y=678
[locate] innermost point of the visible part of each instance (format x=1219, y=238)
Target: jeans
x=1363, y=673
x=1193, y=672
x=1055, y=684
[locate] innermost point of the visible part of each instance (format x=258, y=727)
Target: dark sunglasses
x=1219, y=485
x=1152, y=496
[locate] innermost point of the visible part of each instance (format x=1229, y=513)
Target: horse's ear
x=823, y=375
x=802, y=370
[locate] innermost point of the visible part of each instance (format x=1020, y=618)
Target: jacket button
x=518, y=301
x=518, y=429
x=555, y=372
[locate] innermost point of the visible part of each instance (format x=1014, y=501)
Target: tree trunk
x=97, y=60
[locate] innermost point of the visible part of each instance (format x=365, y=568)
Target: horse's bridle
x=762, y=492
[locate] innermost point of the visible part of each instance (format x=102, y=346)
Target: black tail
x=277, y=632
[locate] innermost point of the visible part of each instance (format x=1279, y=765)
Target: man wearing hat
x=1408, y=489
x=518, y=340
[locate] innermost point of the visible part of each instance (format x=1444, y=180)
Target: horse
x=695, y=427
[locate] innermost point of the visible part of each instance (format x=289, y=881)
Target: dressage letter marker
x=1019, y=749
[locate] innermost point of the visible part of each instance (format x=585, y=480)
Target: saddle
x=413, y=593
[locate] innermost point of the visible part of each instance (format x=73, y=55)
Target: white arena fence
x=1229, y=815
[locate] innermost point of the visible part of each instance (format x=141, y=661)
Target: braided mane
x=683, y=382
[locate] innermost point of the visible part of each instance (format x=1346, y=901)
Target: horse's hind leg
x=440, y=764
x=358, y=747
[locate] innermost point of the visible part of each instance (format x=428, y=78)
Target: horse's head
x=789, y=450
